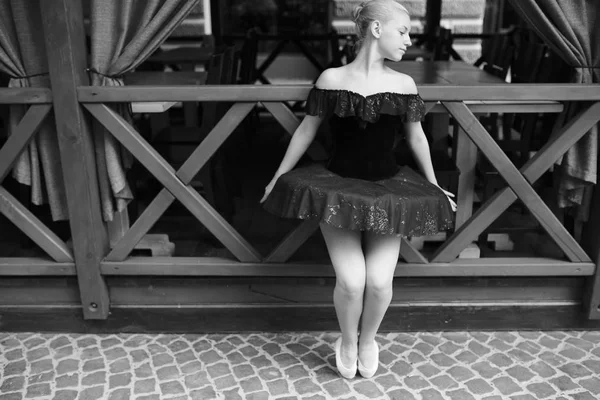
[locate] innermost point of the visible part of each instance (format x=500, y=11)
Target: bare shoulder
x=402, y=83
x=331, y=78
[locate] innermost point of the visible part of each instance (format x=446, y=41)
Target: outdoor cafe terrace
x=131, y=177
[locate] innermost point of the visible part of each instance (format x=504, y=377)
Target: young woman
x=363, y=200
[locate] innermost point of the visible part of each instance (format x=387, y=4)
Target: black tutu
x=405, y=204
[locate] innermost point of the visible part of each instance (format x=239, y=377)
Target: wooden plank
x=293, y=241
x=516, y=181
x=512, y=106
x=208, y=291
x=591, y=243
x=160, y=78
x=25, y=96
x=22, y=266
x=298, y=318
x=567, y=136
x=286, y=117
x=165, y=174
x=410, y=254
x=34, y=228
x=466, y=160
x=141, y=226
x=211, y=143
x=22, y=135
x=253, y=93
x=212, y=266
x=64, y=35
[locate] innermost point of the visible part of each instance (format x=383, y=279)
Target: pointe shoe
x=344, y=371
x=369, y=372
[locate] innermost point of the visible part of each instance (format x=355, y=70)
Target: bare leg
x=381, y=256
x=348, y=261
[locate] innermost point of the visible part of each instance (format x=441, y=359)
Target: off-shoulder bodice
x=364, y=128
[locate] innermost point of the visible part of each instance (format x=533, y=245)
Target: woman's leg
x=381, y=257
x=348, y=261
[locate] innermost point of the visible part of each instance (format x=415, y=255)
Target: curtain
x=123, y=34
x=571, y=29
x=23, y=58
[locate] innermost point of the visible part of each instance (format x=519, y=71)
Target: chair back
x=497, y=54
x=526, y=62
x=334, y=49
x=443, y=44
x=248, y=55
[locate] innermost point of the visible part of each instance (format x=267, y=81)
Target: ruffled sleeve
x=345, y=103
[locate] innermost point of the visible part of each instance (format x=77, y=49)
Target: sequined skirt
x=405, y=204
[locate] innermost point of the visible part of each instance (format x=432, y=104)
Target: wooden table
x=158, y=244
x=415, y=52
x=183, y=55
x=444, y=72
x=160, y=78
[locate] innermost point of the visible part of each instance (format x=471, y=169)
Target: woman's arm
x=418, y=144
x=302, y=138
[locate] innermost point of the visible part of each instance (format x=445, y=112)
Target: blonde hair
x=372, y=10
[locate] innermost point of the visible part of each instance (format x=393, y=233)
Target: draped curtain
x=23, y=58
x=123, y=34
x=571, y=29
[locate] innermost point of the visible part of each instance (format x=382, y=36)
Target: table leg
x=157, y=243
x=190, y=108
x=439, y=132
x=466, y=159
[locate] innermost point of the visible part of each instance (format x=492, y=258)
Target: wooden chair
x=176, y=143
x=442, y=49
x=496, y=58
x=335, y=50
x=517, y=129
x=248, y=56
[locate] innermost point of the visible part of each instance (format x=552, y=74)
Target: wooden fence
x=460, y=102
x=91, y=259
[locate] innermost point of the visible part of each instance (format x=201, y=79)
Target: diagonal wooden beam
x=217, y=136
x=429, y=106
x=293, y=241
x=516, y=181
x=286, y=117
x=165, y=174
x=21, y=136
x=267, y=63
x=188, y=170
x=142, y=225
x=302, y=47
x=410, y=254
x=567, y=136
x=34, y=228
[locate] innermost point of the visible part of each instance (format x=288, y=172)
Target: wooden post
x=216, y=20
x=591, y=244
x=433, y=15
x=65, y=43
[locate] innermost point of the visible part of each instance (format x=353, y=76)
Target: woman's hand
x=449, y=195
x=269, y=188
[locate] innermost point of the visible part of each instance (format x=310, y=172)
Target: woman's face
x=394, y=36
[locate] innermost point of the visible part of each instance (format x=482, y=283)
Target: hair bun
x=357, y=11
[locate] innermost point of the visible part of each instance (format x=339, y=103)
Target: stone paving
x=423, y=366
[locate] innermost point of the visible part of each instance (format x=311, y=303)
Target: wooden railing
x=459, y=101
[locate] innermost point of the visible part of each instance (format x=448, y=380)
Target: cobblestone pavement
x=425, y=365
